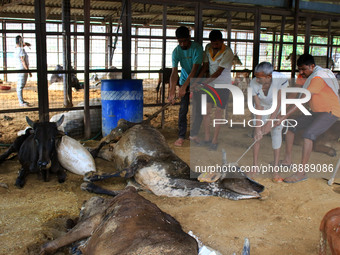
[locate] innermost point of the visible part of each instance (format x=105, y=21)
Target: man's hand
x=182, y=91
x=280, y=119
x=194, y=87
x=171, y=98
x=266, y=128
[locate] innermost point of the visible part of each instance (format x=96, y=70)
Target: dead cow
x=142, y=152
x=37, y=153
x=125, y=224
x=330, y=232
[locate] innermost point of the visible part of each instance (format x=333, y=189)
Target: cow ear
x=60, y=121
x=29, y=122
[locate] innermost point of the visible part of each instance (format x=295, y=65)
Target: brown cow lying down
x=324, y=142
x=126, y=224
x=330, y=231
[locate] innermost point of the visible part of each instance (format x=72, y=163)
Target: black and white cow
x=37, y=151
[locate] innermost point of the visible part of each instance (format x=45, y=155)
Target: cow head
x=44, y=138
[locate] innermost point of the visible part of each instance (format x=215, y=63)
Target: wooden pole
x=296, y=26
x=40, y=25
x=87, y=123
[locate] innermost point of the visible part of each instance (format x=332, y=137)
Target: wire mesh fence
x=73, y=125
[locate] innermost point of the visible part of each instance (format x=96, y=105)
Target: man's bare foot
x=277, y=178
x=179, y=142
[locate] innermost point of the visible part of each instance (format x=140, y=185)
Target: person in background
x=22, y=63
x=190, y=55
x=325, y=110
x=217, y=61
x=265, y=84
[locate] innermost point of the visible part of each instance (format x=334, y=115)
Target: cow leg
x=45, y=173
x=5, y=155
x=319, y=147
x=128, y=172
x=61, y=175
x=93, y=188
x=96, y=150
x=58, y=169
x=82, y=230
x=20, y=181
x=95, y=176
x=15, y=147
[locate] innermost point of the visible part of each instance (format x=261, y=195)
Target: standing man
x=217, y=59
x=22, y=64
x=189, y=54
x=325, y=106
x=266, y=84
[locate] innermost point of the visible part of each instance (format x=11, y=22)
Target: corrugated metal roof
x=151, y=13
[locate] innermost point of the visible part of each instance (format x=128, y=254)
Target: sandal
x=213, y=146
x=295, y=178
x=179, y=142
x=206, y=143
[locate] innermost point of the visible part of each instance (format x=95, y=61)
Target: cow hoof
x=91, y=177
x=87, y=186
x=61, y=180
x=19, y=183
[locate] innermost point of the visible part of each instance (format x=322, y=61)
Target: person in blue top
x=190, y=56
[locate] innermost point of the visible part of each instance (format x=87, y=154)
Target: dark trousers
x=196, y=114
x=183, y=111
x=182, y=116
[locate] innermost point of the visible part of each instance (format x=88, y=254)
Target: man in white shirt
x=218, y=59
x=22, y=64
x=266, y=84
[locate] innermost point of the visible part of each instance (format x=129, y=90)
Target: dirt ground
x=286, y=222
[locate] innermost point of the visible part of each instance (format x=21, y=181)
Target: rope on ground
x=93, y=138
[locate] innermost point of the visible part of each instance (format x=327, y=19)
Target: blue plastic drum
x=121, y=99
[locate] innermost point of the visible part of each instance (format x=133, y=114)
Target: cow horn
x=60, y=121
x=29, y=121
